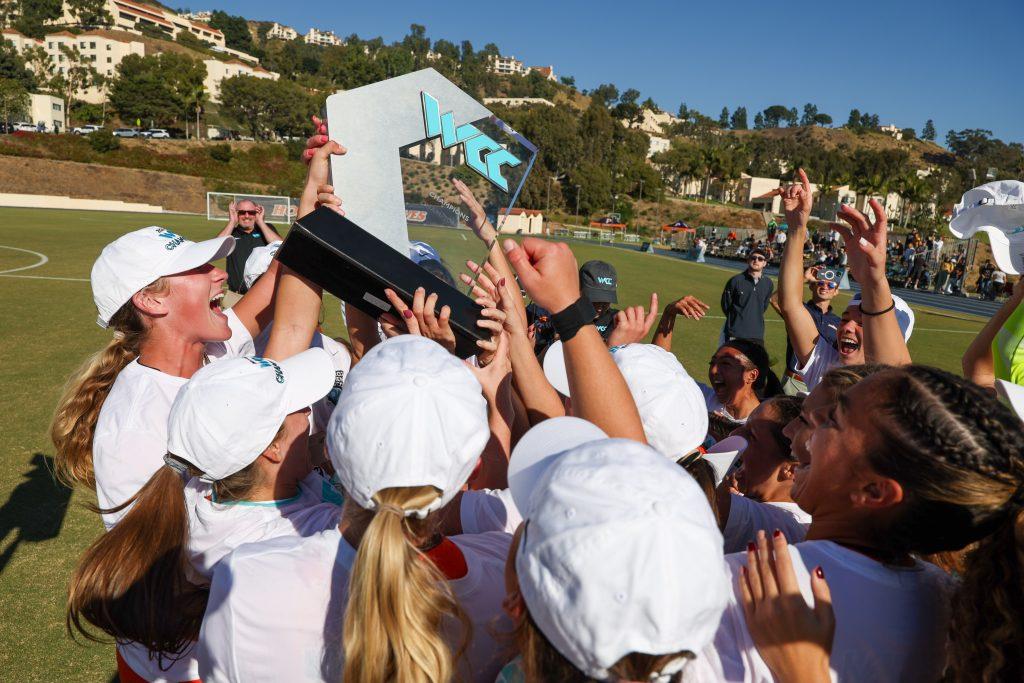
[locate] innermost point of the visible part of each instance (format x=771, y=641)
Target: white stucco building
x=217, y=71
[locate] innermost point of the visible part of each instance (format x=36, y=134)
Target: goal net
x=280, y=209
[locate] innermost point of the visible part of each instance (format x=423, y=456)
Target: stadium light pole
x=577, y=214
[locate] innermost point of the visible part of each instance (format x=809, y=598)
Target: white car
x=86, y=129
x=126, y=133
x=157, y=134
x=25, y=127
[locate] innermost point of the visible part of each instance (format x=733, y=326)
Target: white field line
x=43, y=259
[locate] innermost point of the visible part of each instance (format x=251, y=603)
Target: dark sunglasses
x=247, y=213
x=758, y=258
x=828, y=283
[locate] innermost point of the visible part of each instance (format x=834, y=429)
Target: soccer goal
x=275, y=208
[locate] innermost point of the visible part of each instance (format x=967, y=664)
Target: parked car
x=25, y=127
x=86, y=129
x=157, y=134
x=126, y=133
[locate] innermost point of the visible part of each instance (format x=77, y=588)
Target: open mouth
x=848, y=346
x=718, y=385
x=215, y=301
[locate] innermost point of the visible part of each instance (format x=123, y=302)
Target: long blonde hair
x=398, y=601
x=74, y=421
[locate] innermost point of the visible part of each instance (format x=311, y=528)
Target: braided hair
x=959, y=455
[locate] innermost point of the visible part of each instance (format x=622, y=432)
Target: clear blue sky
x=958, y=63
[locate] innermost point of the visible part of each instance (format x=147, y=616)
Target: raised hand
x=318, y=139
x=547, y=270
x=797, y=201
x=794, y=640
x=493, y=320
x=420, y=319
x=233, y=213
x=478, y=222
x=865, y=241
x=496, y=374
x=633, y=323
x=690, y=307
x=325, y=197
x=259, y=215
x=811, y=274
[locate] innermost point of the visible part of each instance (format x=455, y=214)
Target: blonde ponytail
x=398, y=601
x=74, y=421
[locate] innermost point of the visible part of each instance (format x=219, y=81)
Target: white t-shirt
x=747, y=517
x=823, y=358
x=276, y=609
x=131, y=431
x=489, y=510
x=780, y=237
x=999, y=276
x=716, y=406
x=215, y=529
x=891, y=622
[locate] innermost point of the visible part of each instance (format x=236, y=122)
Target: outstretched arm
x=689, y=307
x=800, y=327
x=549, y=273
x=978, y=363
x=232, y=221
x=865, y=248
x=269, y=234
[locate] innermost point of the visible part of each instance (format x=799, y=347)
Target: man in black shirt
x=745, y=299
x=250, y=231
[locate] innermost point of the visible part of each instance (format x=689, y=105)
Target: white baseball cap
x=139, y=258
x=258, y=262
x=537, y=449
x=229, y=411
x=621, y=554
x=411, y=414
x=904, y=314
x=671, y=405
x=995, y=208
x=1013, y=394
x=554, y=368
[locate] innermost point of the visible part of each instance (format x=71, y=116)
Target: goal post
x=275, y=208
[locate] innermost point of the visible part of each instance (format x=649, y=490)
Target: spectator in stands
x=985, y=277
x=998, y=284
x=745, y=299
x=944, y=273
x=244, y=218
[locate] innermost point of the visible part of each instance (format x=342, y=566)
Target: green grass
x=47, y=327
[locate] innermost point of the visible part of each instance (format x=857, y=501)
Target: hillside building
x=522, y=222
x=48, y=111
x=322, y=38
x=217, y=71
x=282, y=32
x=547, y=72
x=134, y=16
x=505, y=66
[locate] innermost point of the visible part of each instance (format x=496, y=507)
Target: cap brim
x=723, y=456
x=309, y=376
x=197, y=254
x=1012, y=394
x=554, y=368
x=601, y=296
x=536, y=450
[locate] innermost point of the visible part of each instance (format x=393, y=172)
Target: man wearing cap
x=745, y=299
x=598, y=282
x=824, y=286
x=244, y=218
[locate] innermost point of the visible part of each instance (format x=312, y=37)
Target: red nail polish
x=819, y=572
x=751, y=547
x=501, y=282
x=776, y=533
x=407, y=313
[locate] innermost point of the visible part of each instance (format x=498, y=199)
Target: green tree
x=165, y=89
x=854, y=120
x=75, y=75
x=447, y=50
x=774, y=115
x=822, y=120
x=810, y=112
x=12, y=66
x=35, y=15
x=723, y=118
x=739, y=119
x=627, y=108
x=605, y=94
x=928, y=132
x=568, y=81
x=14, y=100
x=90, y=13
x=416, y=41
x=266, y=107
x=759, y=122
x=235, y=30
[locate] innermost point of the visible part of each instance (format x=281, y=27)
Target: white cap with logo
x=229, y=411
x=671, y=405
x=620, y=554
x=411, y=414
x=139, y=258
x=258, y=262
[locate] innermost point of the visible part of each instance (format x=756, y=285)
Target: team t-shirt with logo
x=891, y=622
x=131, y=430
x=276, y=609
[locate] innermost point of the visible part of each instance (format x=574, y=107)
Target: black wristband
x=874, y=313
x=569, y=320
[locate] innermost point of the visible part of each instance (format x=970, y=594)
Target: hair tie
x=175, y=464
x=393, y=509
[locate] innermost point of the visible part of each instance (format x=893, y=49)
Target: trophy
x=409, y=140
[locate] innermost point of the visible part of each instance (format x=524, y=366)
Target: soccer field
x=47, y=327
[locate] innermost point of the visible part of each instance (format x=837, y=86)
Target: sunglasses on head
x=828, y=283
x=247, y=213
